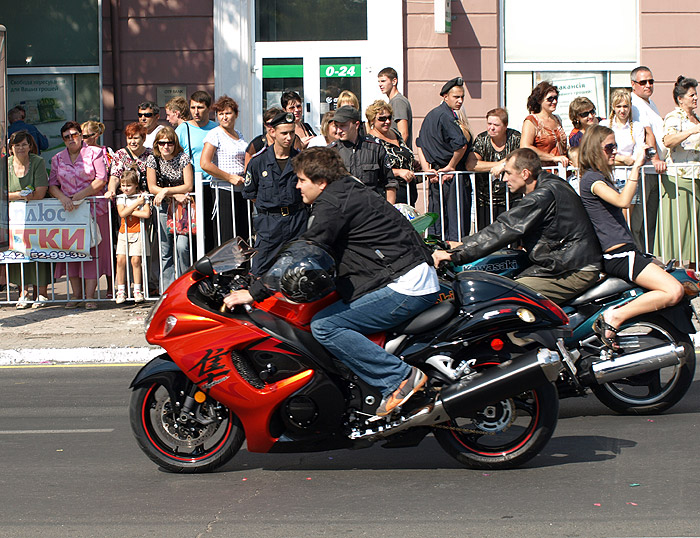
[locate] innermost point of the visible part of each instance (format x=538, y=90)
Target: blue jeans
x=168, y=243
x=341, y=328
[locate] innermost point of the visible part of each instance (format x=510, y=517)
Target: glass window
x=545, y=31
x=281, y=75
x=310, y=20
x=51, y=33
x=338, y=74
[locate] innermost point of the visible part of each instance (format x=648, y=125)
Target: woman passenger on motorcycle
x=621, y=258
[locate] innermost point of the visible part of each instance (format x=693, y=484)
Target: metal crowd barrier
x=666, y=217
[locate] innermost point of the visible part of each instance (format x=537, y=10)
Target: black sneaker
x=413, y=383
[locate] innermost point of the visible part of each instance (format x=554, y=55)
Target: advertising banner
x=45, y=231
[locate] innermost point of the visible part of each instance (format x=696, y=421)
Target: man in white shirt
x=645, y=112
x=149, y=114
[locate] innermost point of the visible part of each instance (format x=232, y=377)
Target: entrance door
x=365, y=40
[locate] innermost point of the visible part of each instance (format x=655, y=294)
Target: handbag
x=181, y=218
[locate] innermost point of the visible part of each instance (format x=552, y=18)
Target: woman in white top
x=223, y=157
x=629, y=137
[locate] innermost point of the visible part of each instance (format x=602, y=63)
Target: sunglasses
x=587, y=113
x=552, y=98
x=89, y=135
x=609, y=148
x=649, y=81
x=71, y=135
x=165, y=143
x=146, y=114
x=382, y=119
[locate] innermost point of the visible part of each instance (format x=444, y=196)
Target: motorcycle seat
x=609, y=286
x=428, y=319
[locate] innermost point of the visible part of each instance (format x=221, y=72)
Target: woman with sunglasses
x=79, y=172
x=680, y=193
x=170, y=179
x=604, y=204
x=582, y=115
x=92, y=131
x=542, y=129
x=400, y=157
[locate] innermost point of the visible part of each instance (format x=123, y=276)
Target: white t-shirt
x=318, y=141
x=229, y=155
x=421, y=280
x=150, y=138
x=648, y=115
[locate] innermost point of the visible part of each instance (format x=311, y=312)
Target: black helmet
x=304, y=272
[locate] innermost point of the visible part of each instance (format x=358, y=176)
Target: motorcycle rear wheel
x=196, y=445
x=656, y=391
x=505, y=434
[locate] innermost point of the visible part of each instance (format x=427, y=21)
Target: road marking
x=95, y=365
x=18, y=432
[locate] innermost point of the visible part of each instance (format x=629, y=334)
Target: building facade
x=80, y=59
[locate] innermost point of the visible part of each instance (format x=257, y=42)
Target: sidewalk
x=53, y=335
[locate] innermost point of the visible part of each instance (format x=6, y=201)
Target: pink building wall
x=163, y=42
x=471, y=51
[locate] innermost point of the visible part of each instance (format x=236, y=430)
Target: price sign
x=339, y=71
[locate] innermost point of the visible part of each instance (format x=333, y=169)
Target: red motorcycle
x=256, y=373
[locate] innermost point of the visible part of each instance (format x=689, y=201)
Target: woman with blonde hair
x=92, y=130
x=604, y=204
x=401, y=158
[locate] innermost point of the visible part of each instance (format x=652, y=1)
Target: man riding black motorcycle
x=552, y=225
x=384, y=273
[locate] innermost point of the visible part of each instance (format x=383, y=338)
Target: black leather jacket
x=367, y=160
x=552, y=225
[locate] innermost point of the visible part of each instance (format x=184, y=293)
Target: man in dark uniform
x=441, y=147
x=364, y=157
x=270, y=182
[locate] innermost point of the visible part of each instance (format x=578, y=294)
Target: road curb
x=80, y=355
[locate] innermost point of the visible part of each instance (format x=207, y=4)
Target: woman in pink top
x=79, y=172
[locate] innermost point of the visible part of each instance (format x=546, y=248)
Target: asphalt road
x=70, y=467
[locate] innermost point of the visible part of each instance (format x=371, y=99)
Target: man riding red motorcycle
x=385, y=274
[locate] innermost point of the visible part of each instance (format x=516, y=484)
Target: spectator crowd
x=141, y=196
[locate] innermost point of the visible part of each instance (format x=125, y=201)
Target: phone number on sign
x=35, y=255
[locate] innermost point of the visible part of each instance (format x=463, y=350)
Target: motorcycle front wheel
x=655, y=391
x=200, y=442
x=504, y=434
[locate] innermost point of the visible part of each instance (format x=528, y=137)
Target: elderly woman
x=170, y=179
x=582, y=115
x=223, y=157
x=79, y=172
x=292, y=103
x=27, y=181
x=400, y=157
x=489, y=154
x=542, y=130
x=680, y=201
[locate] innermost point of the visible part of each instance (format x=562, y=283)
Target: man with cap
x=363, y=156
x=441, y=146
x=270, y=182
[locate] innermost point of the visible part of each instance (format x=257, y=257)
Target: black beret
x=451, y=84
x=282, y=117
x=346, y=113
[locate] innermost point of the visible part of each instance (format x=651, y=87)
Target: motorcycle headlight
x=149, y=318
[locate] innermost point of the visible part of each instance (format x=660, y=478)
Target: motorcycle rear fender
x=680, y=316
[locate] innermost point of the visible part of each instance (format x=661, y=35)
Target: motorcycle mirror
x=203, y=266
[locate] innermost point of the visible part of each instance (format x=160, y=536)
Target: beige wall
x=162, y=43
x=670, y=45
x=471, y=51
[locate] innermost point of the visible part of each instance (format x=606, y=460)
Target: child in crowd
x=132, y=207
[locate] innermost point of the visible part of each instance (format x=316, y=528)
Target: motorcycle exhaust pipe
x=637, y=363
x=506, y=380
